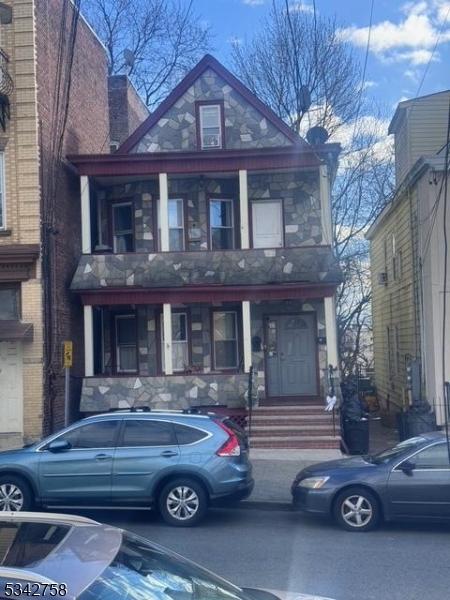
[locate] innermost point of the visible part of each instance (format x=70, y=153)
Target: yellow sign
x=68, y=354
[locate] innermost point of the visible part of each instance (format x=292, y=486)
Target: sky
x=403, y=37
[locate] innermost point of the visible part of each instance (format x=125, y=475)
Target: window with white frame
x=2, y=192
x=225, y=340
x=126, y=343
x=221, y=224
x=180, y=342
x=210, y=126
x=176, y=224
x=123, y=227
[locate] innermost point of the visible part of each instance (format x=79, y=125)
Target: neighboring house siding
x=395, y=328
x=245, y=127
x=20, y=142
x=87, y=131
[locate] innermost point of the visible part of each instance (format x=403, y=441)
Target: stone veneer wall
x=301, y=203
x=245, y=127
x=173, y=392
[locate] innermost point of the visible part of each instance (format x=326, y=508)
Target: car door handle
x=169, y=453
x=102, y=456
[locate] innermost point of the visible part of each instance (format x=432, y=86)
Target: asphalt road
x=289, y=551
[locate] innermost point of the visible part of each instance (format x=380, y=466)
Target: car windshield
x=25, y=545
x=397, y=450
x=144, y=572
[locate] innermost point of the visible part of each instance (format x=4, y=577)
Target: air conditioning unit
x=211, y=141
x=382, y=278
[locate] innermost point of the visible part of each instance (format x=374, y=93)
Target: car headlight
x=313, y=483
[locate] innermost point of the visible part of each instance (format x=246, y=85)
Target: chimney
x=126, y=109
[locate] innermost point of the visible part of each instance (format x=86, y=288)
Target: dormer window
x=210, y=116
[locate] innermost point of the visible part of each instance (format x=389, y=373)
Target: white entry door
x=267, y=220
x=11, y=387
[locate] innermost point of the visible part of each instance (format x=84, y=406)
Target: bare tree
x=155, y=42
x=294, y=51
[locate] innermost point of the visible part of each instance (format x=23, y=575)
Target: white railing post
x=85, y=215
x=164, y=211
x=243, y=206
x=247, y=335
x=167, y=327
x=88, y=342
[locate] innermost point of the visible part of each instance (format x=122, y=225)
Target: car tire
x=15, y=494
x=357, y=509
x=183, y=502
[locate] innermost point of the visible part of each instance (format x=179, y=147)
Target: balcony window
x=126, y=343
x=225, y=340
x=221, y=224
x=177, y=234
x=123, y=227
x=180, y=342
x=9, y=303
x=210, y=126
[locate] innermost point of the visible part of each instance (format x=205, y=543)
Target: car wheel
x=15, y=494
x=357, y=509
x=183, y=502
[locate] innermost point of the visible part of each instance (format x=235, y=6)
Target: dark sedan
x=409, y=481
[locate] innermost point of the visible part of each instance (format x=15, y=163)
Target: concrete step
x=317, y=442
x=307, y=409
x=294, y=420
x=280, y=431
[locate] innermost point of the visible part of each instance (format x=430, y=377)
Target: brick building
x=40, y=215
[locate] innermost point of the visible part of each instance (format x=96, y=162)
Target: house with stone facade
x=207, y=250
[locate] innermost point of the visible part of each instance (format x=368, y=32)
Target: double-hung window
x=123, y=227
x=9, y=302
x=176, y=224
x=221, y=224
x=126, y=343
x=180, y=342
x=210, y=126
x=225, y=340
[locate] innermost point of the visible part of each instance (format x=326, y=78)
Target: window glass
x=225, y=340
x=147, y=433
x=221, y=224
x=188, y=435
x=123, y=227
x=9, y=303
x=180, y=348
x=210, y=123
x=435, y=457
x=176, y=224
x=126, y=343
x=93, y=435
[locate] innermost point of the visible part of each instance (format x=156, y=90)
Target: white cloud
x=301, y=7
x=412, y=38
x=253, y=2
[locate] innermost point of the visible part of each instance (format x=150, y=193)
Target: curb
x=266, y=505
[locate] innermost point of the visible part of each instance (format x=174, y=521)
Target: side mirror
x=59, y=446
x=407, y=467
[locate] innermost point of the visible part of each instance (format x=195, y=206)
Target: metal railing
x=6, y=82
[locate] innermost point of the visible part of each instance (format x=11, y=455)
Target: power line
x=438, y=39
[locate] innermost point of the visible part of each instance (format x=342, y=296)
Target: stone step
x=294, y=420
x=301, y=442
x=289, y=410
x=280, y=431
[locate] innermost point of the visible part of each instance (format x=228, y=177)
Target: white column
x=247, y=335
x=243, y=204
x=88, y=342
x=164, y=211
x=331, y=332
x=167, y=326
x=85, y=215
x=325, y=205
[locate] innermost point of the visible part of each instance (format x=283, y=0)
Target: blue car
x=409, y=481
x=179, y=463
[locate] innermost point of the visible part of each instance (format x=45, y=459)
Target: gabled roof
x=208, y=62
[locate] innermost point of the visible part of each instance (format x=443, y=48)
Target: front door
x=267, y=223
x=11, y=392
x=291, y=356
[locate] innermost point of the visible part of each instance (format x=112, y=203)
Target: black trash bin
x=356, y=435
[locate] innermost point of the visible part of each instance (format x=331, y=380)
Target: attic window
x=210, y=126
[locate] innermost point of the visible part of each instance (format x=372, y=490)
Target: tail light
x=231, y=447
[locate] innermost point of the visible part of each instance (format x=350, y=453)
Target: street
x=288, y=551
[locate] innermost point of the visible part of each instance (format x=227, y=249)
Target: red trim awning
x=208, y=294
